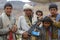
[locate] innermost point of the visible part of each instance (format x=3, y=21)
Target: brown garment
x=47, y=38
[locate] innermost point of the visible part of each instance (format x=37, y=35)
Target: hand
x=25, y=35
x=14, y=28
x=40, y=17
x=38, y=23
x=53, y=19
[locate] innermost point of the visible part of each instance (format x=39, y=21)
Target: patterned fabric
x=56, y=31
x=30, y=24
x=46, y=34
x=28, y=21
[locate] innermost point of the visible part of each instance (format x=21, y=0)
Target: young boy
x=39, y=14
x=53, y=9
x=46, y=29
x=39, y=18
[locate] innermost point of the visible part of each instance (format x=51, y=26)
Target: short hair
x=53, y=6
x=8, y=4
x=39, y=12
x=47, y=19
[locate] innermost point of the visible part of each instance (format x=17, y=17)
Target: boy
x=53, y=8
x=46, y=29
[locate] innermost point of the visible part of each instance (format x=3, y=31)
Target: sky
x=20, y=0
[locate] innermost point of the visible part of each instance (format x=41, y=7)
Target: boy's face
x=46, y=24
x=39, y=14
x=8, y=10
x=53, y=11
x=28, y=12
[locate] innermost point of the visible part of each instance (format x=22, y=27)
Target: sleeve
x=20, y=31
x=57, y=24
x=3, y=30
x=58, y=18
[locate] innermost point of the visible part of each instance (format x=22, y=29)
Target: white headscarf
x=27, y=6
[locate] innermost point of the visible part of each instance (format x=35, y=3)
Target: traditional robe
x=56, y=30
x=24, y=24
x=6, y=24
x=46, y=34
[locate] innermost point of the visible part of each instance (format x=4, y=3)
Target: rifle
x=31, y=30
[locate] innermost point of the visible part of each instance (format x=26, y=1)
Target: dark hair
x=39, y=12
x=8, y=4
x=47, y=19
x=53, y=6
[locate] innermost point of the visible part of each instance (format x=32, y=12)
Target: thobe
x=4, y=30
x=57, y=31
x=23, y=25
